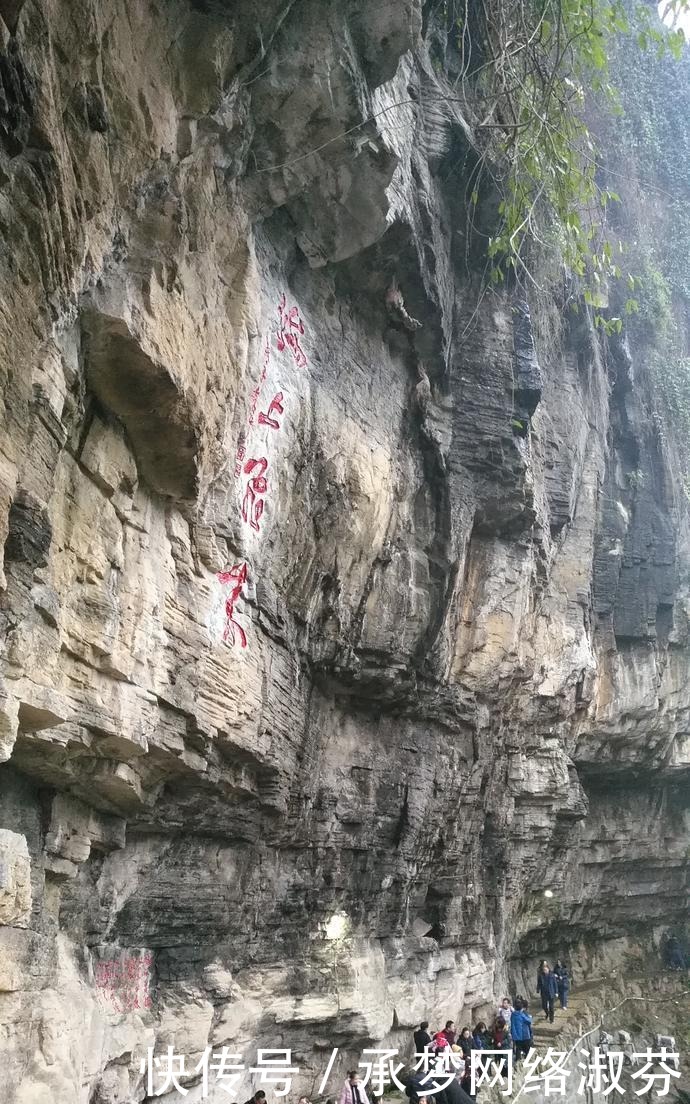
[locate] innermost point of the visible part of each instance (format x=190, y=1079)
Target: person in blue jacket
x=547, y=987
x=521, y=1030
x=560, y=971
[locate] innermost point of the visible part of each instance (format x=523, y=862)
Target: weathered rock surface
x=296, y=623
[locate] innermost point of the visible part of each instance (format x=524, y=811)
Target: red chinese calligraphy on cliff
x=288, y=333
x=275, y=407
x=253, y=502
x=124, y=983
x=235, y=578
x=290, y=329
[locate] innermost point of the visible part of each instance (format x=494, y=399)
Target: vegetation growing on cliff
x=651, y=146
x=538, y=67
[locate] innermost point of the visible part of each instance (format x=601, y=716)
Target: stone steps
x=545, y=1033
x=587, y=1002
x=577, y=1015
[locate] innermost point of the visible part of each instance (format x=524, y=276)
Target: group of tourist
x=511, y=1028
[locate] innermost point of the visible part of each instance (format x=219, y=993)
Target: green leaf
x=676, y=43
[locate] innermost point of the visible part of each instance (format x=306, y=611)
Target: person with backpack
x=560, y=971
x=547, y=988
x=521, y=1030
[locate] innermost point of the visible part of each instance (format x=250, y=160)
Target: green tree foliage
x=542, y=63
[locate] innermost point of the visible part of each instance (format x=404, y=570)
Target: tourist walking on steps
x=521, y=1030
x=547, y=987
x=353, y=1090
x=560, y=972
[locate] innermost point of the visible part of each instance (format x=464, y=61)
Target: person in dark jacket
x=547, y=988
x=421, y=1084
x=560, y=972
x=415, y=1090
x=449, y=1031
x=480, y=1036
x=456, y=1094
x=422, y=1038
x=464, y=1079
x=465, y=1041
x=521, y=1030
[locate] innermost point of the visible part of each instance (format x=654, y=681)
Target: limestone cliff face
x=307, y=610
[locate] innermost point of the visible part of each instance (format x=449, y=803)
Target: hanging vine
x=531, y=71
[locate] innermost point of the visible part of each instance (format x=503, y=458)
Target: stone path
x=575, y=1016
